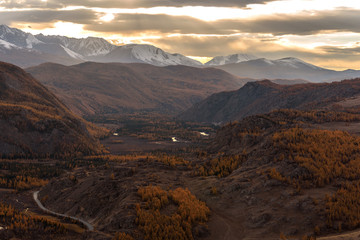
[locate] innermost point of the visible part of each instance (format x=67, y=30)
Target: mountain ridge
x=265, y=96
x=96, y=88
x=41, y=48
x=233, y=58
x=25, y=50
x=286, y=68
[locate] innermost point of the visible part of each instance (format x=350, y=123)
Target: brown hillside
x=277, y=174
x=33, y=122
x=265, y=96
x=261, y=178
x=95, y=88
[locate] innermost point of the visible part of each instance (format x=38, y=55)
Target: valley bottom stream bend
x=88, y=225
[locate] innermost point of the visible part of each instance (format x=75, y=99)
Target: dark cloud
x=135, y=23
x=216, y=45
x=47, y=16
x=270, y=48
x=300, y=24
x=341, y=51
x=133, y=3
x=30, y=4
x=277, y=24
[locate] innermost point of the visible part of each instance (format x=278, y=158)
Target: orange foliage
x=315, y=116
x=326, y=155
x=221, y=166
x=178, y=225
x=23, y=224
x=154, y=196
x=22, y=182
x=343, y=209
x=122, y=236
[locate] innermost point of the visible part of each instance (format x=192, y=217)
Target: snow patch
x=234, y=58
x=156, y=56
x=7, y=45
x=31, y=41
x=72, y=53
x=296, y=63
x=268, y=61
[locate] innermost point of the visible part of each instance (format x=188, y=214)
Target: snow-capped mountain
x=25, y=50
x=84, y=47
x=143, y=53
x=234, y=58
x=293, y=63
x=286, y=68
x=17, y=37
x=60, y=49
x=7, y=45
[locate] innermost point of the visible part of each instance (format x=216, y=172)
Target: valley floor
x=247, y=200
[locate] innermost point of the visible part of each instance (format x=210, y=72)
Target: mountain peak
x=17, y=37
x=234, y=58
x=146, y=53
x=42, y=48
x=7, y=29
x=295, y=62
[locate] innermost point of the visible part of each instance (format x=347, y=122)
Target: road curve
x=36, y=195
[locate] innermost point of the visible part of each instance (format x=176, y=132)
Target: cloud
x=131, y=3
x=219, y=45
x=304, y=23
x=337, y=57
x=46, y=16
x=341, y=51
x=161, y=23
x=30, y=4
x=280, y=24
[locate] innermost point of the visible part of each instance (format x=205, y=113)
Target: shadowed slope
x=264, y=96
x=95, y=88
x=33, y=122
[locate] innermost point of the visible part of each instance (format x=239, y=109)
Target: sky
x=322, y=32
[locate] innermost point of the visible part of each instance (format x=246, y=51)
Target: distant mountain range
x=264, y=96
x=286, y=68
x=101, y=88
x=25, y=50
